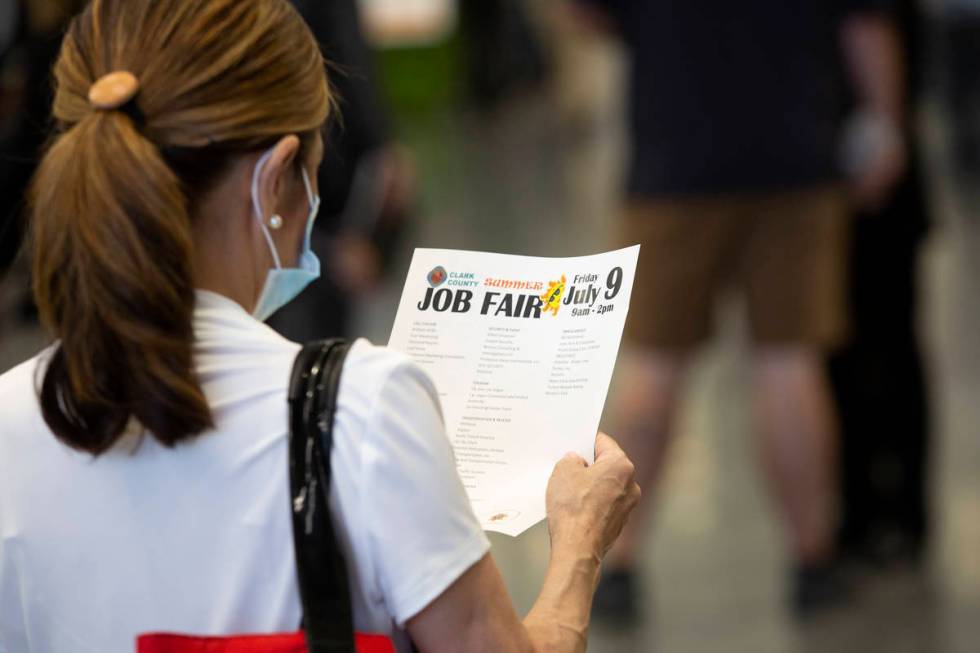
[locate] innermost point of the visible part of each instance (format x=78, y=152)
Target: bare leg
x=644, y=400
x=797, y=430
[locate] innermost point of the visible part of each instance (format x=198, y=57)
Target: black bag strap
x=322, y=571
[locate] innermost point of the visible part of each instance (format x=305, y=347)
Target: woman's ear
x=272, y=177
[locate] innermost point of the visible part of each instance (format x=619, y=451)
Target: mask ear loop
x=257, y=206
x=314, y=200
x=312, y=197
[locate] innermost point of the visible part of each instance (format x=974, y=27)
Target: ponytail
x=113, y=198
x=112, y=278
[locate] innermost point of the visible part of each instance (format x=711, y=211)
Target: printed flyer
x=521, y=350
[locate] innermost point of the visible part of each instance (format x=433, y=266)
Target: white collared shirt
x=197, y=539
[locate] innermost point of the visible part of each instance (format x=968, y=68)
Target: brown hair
x=113, y=197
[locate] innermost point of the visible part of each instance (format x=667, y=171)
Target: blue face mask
x=283, y=284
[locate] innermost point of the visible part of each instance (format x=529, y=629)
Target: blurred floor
x=533, y=180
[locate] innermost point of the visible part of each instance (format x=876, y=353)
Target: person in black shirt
x=736, y=177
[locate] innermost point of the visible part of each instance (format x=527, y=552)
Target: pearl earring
x=275, y=222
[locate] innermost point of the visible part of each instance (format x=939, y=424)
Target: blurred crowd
x=771, y=147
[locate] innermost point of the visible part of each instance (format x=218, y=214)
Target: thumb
x=605, y=446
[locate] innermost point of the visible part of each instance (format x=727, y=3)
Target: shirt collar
x=207, y=299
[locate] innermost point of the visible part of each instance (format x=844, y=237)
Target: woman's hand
x=589, y=505
x=587, y=508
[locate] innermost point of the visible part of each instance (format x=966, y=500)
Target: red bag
x=286, y=643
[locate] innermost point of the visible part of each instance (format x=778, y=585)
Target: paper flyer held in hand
x=521, y=350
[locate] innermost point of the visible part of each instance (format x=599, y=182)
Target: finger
x=635, y=493
x=628, y=473
x=605, y=446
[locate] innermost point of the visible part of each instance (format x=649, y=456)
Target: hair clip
x=113, y=90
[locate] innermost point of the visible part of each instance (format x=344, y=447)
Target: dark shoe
x=617, y=597
x=817, y=588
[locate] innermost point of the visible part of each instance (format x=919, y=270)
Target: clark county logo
x=438, y=276
x=552, y=298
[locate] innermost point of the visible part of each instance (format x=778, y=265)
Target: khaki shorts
x=785, y=251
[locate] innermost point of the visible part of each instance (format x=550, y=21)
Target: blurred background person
x=877, y=377
x=366, y=182
x=502, y=53
x=16, y=145
x=368, y=178
x=736, y=117
x=30, y=35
